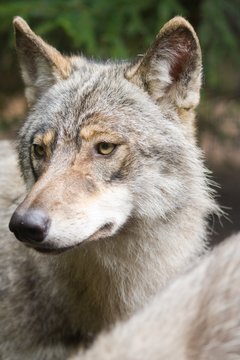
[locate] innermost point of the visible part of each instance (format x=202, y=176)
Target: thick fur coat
x=117, y=193
x=195, y=318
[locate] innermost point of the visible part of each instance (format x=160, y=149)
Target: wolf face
x=106, y=144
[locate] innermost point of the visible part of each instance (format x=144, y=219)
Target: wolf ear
x=171, y=68
x=41, y=65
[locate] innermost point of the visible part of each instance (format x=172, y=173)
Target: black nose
x=31, y=226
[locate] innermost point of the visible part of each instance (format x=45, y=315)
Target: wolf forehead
x=97, y=94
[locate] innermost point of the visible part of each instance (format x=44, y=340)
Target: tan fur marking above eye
x=46, y=139
x=96, y=127
x=88, y=133
x=94, y=132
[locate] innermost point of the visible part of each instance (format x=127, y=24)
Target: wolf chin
x=117, y=195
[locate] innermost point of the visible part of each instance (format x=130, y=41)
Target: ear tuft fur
x=171, y=68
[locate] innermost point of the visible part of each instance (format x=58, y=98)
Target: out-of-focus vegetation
x=123, y=28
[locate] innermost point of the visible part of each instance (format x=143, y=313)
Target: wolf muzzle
x=31, y=226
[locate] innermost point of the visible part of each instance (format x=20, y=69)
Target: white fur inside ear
x=171, y=68
x=112, y=206
x=159, y=78
x=184, y=92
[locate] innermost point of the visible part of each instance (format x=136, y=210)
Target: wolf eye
x=105, y=148
x=38, y=150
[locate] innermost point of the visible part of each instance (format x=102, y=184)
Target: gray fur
x=195, y=318
x=50, y=303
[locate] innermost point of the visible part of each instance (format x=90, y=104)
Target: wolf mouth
x=103, y=232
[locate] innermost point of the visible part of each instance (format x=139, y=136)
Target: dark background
x=123, y=28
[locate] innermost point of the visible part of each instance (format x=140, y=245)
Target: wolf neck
x=112, y=278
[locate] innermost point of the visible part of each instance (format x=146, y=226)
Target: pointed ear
x=171, y=68
x=41, y=65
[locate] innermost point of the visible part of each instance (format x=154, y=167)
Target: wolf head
x=106, y=143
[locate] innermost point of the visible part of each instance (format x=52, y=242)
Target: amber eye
x=38, y=150
x=105, y=148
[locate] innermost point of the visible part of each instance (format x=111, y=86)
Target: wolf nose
x=30, y=227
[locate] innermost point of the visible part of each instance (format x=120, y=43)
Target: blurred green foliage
x=123, y=28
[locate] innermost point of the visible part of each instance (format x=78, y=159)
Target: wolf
x=117, y=196
x=196, y=317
